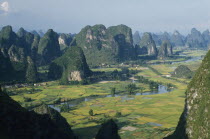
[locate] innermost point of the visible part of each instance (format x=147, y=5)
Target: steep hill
x=71, y=66
x=106, y=45
x=194, y=121
x=48, y=48
x=147, y=45
x=17, y=122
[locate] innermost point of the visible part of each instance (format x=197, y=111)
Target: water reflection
x=124, y=97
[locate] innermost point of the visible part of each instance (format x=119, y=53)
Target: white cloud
x=4, y=7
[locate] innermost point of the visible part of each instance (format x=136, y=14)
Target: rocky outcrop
x=64, y=40
x=165, y=37
x=157, y=39
x=195, y=39
x=182, y=71
x=105, y=45
x=7, y=37
x=108, y=130
x=177, y=39
x=136, y=38
x=148, y=44
x=56, y=117
x=206, y=37
x=31, y=71
x=16, y=48
x=48, y=48
x=75, y=76
x=71, y=66
x=194, y=121
x=17, y=122
x=34, y=48
x=165, y=50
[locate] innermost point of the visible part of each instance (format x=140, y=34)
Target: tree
x=130, y=88
x=91, y=112
x=141, y=88
x=125, y=70
x=113, y=90
x=65, y=108
x=118, y=114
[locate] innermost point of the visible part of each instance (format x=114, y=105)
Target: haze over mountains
x=69, y=59
x=100, y=45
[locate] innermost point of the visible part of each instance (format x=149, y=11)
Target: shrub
x=118, y=114
x=91, y=112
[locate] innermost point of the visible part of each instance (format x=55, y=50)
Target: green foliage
x=152, y=84
x=196, y=117
x=91, y=112
x=7, y=37
x=72, y=60
x=31, y=72
x=182, y=71
x=27, y=99
x=113, y=90
x=125, y=70
x=131, y=88
x=49, y=48
x=105, y=46
x=118, y=114
x=165, y=50
x=65, y=108
x=147, y=45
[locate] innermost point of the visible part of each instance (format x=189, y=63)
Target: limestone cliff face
x=206, y=36
x=136, y=38
x=149, y=44
x=15, y=48
x=71, y=66
x=195, y=39
x=177, y=39
x=16, y=54
x=7, y=37
x=194, y=122
x=105, y=45
x=165, y=50
x=48, y=48
x=75, y=76
x=64, y=40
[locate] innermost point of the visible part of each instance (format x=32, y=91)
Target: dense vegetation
x=48, y=48
x=165, y=50
x=147, y=45
x=103, y=45
x=182, y=71
x=194, y=120
x=22, y=52
x=71, y=66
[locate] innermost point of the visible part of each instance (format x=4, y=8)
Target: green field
x=144, y=116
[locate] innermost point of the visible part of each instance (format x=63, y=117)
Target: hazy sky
x=72, y=15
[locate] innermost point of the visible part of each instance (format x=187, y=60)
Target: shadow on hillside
x=87, y=132
x=90, y=132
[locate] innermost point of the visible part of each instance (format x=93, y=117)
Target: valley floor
x=142, y=116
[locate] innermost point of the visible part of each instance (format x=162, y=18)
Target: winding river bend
x=161, y=89
x=72, y=103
